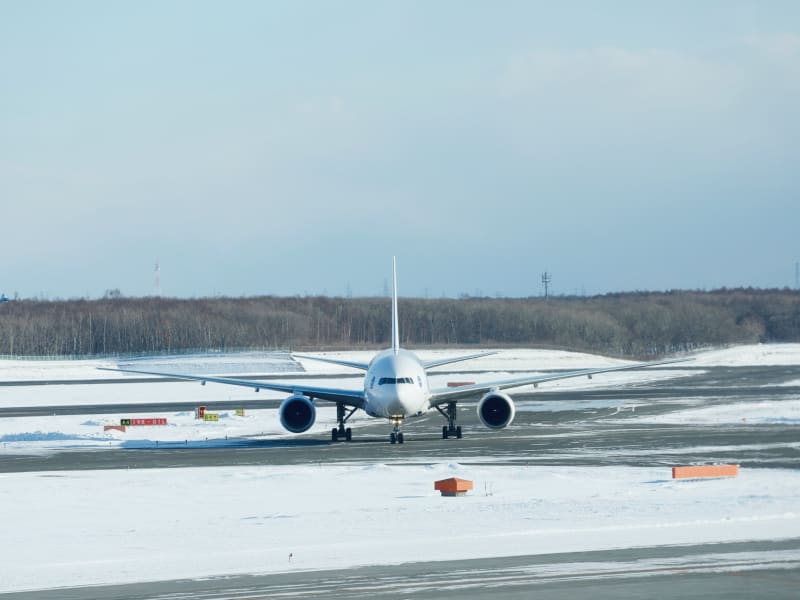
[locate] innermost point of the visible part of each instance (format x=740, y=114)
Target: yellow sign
x=211, y=417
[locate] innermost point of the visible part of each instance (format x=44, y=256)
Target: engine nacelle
x=496, y=410
x=298, y=413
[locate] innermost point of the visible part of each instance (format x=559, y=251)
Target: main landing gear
x=396, y=437
x=451, y=429
x=342, y=416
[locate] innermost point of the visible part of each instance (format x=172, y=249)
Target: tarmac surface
x=591, y=427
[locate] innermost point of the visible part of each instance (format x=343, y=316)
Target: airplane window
x=395, y=380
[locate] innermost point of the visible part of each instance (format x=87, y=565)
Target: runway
x=577, y=428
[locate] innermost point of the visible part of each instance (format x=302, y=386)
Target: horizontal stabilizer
x=334, y=361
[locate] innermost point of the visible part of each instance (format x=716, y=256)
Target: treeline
x=630, y=324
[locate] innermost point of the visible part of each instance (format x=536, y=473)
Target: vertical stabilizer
x=395, y=331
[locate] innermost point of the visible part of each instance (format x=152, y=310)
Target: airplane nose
x=407, y=400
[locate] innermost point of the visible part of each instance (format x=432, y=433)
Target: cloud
x=615, y=107
x=776, y=46
x=621, y=78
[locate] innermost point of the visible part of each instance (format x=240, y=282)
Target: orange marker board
x=705, y=471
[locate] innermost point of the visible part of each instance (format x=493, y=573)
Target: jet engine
x=297, y=413
x=496, y=410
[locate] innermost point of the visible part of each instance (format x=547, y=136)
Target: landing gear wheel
x=342, y=416
x=396, y=437
x=450, y=413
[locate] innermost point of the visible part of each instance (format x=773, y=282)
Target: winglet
x=395, y=332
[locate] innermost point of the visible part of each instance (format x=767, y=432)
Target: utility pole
x=546, y=279
x=797, y=275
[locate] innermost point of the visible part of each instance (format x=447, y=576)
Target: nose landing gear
x=396, y=437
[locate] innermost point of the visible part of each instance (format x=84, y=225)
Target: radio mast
x=546, y=279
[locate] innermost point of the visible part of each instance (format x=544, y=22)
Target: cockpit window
x=395, y=380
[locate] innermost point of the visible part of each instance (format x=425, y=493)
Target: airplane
x=396, y=387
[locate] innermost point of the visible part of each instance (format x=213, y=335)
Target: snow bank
x=750, y=355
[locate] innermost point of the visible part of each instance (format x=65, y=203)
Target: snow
x=750, y=355
x=85, y=528
x=763, y=412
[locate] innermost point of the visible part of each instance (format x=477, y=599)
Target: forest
x=636, y=324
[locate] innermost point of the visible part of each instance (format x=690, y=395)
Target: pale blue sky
x=294, y=147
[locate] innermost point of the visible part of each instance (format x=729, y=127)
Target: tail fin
x=395, y=332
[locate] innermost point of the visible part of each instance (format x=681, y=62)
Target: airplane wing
x=446, y=361
x=348, y=397
x=441, y=396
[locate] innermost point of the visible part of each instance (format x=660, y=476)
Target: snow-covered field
x=71, y=528
x=83, y=528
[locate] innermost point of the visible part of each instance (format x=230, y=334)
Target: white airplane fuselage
x=396, y=386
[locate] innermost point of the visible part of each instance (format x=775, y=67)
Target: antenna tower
x=797, y=275
x=157, y=282
x=546, y=279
